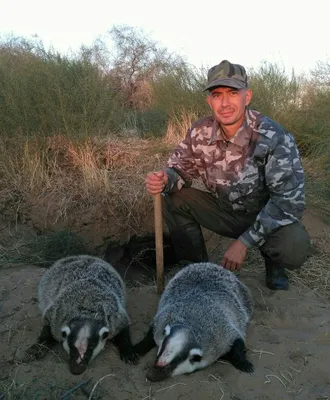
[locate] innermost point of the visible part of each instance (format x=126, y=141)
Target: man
x=252, y=170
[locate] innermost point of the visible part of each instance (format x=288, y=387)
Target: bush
x=141, y=89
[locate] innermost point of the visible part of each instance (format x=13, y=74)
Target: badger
x=82, y=300
x=202, y=317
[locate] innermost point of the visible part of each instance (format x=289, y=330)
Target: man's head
x=229, y=94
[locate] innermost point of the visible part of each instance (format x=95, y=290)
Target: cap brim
x=227, y=82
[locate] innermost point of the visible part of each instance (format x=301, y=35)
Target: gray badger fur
x=82, y=300
x=202, y=316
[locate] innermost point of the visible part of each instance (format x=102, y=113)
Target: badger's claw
x=130, y=357
x=126, y=349
x=237, y=357
x=244, y=366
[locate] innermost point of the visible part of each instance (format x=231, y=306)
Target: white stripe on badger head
x=186, y=367
x=81, y=342
x=174, y=346
x=99, y=347
x=166, y=332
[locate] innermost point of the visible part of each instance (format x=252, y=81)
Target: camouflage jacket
x=257, y=171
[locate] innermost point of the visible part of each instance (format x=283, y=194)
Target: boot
x=276, y=278
x=188, y=243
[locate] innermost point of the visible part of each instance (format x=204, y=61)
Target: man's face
x=228, y=104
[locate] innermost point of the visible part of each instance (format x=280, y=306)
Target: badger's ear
x=65, y=331
x=195, y=355
x=104, y=332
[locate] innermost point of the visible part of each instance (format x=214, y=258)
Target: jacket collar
x=243, y=134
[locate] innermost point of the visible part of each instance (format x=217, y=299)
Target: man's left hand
x=234, y=257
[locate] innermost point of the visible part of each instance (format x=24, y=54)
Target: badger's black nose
x=77, y=369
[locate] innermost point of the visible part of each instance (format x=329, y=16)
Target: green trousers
x=186, y=210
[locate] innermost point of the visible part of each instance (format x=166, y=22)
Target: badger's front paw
x=244, y=366
x=130, y=357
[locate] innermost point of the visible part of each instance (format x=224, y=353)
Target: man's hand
x=234, y=256
x=156, y=181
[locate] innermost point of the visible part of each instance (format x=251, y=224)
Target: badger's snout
x=77, y=363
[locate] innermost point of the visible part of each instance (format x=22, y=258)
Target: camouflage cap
x=226, y=74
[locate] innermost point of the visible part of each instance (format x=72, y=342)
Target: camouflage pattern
x=226, y=74
x=258, y=171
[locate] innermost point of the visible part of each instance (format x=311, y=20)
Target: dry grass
x=317, y=183
x=314, y=274
x=60, y=180
x=60, y=177
x=178, y=127
x=40, y=249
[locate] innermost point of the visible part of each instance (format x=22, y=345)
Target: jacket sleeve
x=181, y=167
x=284, y=176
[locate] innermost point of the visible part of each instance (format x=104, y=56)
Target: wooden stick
x=159, y=242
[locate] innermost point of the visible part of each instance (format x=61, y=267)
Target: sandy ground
x=288, y=341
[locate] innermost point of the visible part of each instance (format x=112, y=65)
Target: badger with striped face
x=178, y=353
x=202, y=316
x=82, y=300
x=83, y=340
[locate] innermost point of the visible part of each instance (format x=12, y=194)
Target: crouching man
x=252, y=171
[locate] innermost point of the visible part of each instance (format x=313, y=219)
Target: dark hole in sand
x=136, y=260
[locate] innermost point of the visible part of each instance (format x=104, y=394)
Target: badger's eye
x=65, y=332
x=104, y=333
x=195, y=358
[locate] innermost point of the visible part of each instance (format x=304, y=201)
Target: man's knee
x=185, y=204
x=172, y=202
x=289, y=246
x=176, y=210
x=185, y=196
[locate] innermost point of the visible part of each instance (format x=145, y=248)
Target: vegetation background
x=79, y=132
